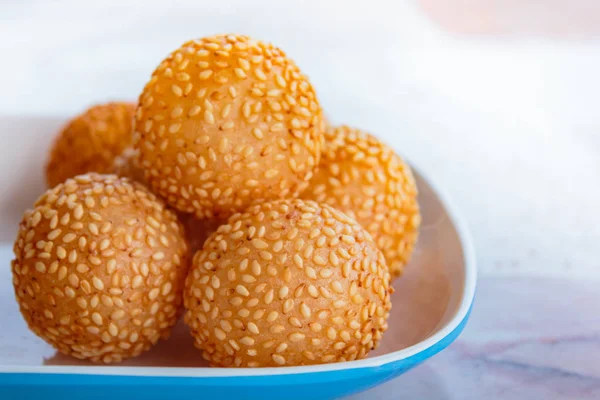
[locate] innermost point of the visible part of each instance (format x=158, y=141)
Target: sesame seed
x=204, y=75
x=98, y=284
x=61, y=253
x=54, y=234
x=272, y=316
x=247, y=341
x=111, y=266
x=279, y=360
x=82, y=268
x=244, y=64
x=296, y=336
x=78, y=212
x=174, y=128
x=153, y=294
x=117, y=315
x=271, y=173
x=339, y=304
x=239, y=72
x=97, y=318
x=182, y=76
x=74, y=280
x=305, y=310
x=317, y=259
x=93, y=228
x=223, y=145
x=260, y=74
x=298, y=261
x=257, y=133
x=280, y=81
x=253, y=328
x=220, y=334
x=35, y=220
x=81, y=302
x=288, y=305
x=225, y=111
x=194, y=110
x=40, y=267
x=93, y=330
x=107, y=300
x=177, y=90
x=276, y=329
x=209, y=117
x=240, y=289
x=259, y=244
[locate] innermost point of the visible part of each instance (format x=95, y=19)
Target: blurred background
x=498, y=100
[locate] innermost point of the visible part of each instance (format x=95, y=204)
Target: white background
x=509, y=127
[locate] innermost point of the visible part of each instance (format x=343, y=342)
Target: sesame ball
x=226, y=121
x=99, y=268
x=288, y=282
x=90, y=142
x=368, y=181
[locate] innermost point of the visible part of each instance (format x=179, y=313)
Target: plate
x=431, y=306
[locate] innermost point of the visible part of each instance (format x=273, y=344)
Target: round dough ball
x=369, y=182
x=288, y=282
x=99, y=268
x=90, y=142
x=226, y=121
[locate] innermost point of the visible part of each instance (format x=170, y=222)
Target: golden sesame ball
x=99, y=268
x=90, y=142
x=288, y=282
x=369, y=182
x=226, y=121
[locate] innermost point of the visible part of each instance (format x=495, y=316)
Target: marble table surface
x=528, y=338
x=509, y=127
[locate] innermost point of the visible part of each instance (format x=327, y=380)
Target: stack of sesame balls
x=222, y=195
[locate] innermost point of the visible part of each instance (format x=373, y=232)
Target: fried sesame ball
x=226, y=121
x=288, y=282
x=90, y=142
x=99, y=268
x=368, y=181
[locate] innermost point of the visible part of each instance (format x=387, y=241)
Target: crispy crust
x=90, y=142
x=99, y=268
x=226, y=121
x=288, y=282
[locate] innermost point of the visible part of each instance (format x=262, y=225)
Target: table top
x=508, y=126
x=527, y=339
